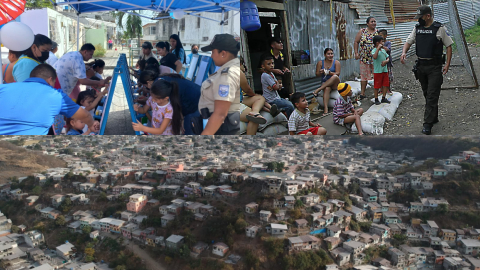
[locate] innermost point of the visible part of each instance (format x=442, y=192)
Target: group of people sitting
x=295, y=106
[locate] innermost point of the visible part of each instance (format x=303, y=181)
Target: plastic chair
x=203, y=68
x=190, y=71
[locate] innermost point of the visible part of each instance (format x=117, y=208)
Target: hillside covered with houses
x=239, y=203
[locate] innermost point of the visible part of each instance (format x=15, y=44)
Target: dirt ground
x=459, y=113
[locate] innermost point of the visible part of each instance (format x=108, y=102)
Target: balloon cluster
x=16, y=36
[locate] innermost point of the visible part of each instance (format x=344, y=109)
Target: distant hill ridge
x=423, y=147
x=17, y=161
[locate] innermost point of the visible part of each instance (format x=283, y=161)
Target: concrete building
x=136, y=203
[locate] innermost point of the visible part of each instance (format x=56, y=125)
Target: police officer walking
x=220, y=95
x=429, y=36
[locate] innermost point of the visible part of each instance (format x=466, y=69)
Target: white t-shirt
x=52, y=58
x=85, y=128
x=70, y=67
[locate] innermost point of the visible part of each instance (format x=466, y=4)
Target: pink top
x=159, y=113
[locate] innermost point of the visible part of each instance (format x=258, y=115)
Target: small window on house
x=182, y=24
x=225, y=18
x=71, y=33
x=53, y=29
x=205, y=39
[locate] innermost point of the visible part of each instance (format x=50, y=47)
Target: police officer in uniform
x=430, y=36
x=220, y=94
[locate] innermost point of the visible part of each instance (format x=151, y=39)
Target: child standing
x=343, y=110
x=387, y=46
x=271, y=86
x=299, y=121
x=166, y=110
x=380, y=70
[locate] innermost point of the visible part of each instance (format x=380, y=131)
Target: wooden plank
x=268, y=5
x=288, y=56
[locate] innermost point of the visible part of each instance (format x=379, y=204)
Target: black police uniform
x=429, y=50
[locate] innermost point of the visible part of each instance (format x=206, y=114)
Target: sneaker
x=384, y=100
x=309, y=133
x=377, y=102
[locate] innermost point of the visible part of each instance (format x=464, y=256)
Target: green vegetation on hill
x=472, y=35
x=423, y=147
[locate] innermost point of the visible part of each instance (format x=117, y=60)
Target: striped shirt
x=340, y=108
x=269, y=81
x=299, y=121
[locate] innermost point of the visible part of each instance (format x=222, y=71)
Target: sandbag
x=372, y=123
x=331, y=102
x=395, y=99
x=356, y=90
x=274, y=130
x=333, y=94
x=385, y=109
x=279, y=119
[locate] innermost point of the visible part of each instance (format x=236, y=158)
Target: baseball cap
x=224, y=42
x=423, y=10
x=147, y=45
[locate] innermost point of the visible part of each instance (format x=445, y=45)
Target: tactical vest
x=427, y=43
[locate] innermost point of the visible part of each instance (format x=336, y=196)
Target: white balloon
x=177, y=14
x=16, y=36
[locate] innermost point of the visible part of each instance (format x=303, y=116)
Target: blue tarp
x=153, y=5
x=324, y=230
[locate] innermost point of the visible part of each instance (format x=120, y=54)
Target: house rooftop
x=174, y=238
x=278, y=226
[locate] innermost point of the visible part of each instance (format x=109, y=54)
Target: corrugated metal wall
x=309, y=27
x=465, y=8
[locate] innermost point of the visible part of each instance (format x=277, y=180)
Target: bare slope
x=16, y=161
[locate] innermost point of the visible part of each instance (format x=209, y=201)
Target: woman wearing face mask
x=37, y=54
x=194, y=51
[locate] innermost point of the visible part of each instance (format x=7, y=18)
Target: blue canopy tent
x=184, y=7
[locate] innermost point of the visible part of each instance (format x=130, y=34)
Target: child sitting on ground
x=75, y=127
x=387, y=46
x=380, y=70
x=299, y=121
x=343, y=111
x=271, y=87
x=166, y=110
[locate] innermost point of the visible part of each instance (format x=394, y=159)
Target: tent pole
x=223, y=18
x=78, y=31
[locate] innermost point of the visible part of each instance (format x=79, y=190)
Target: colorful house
x=136, y=203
